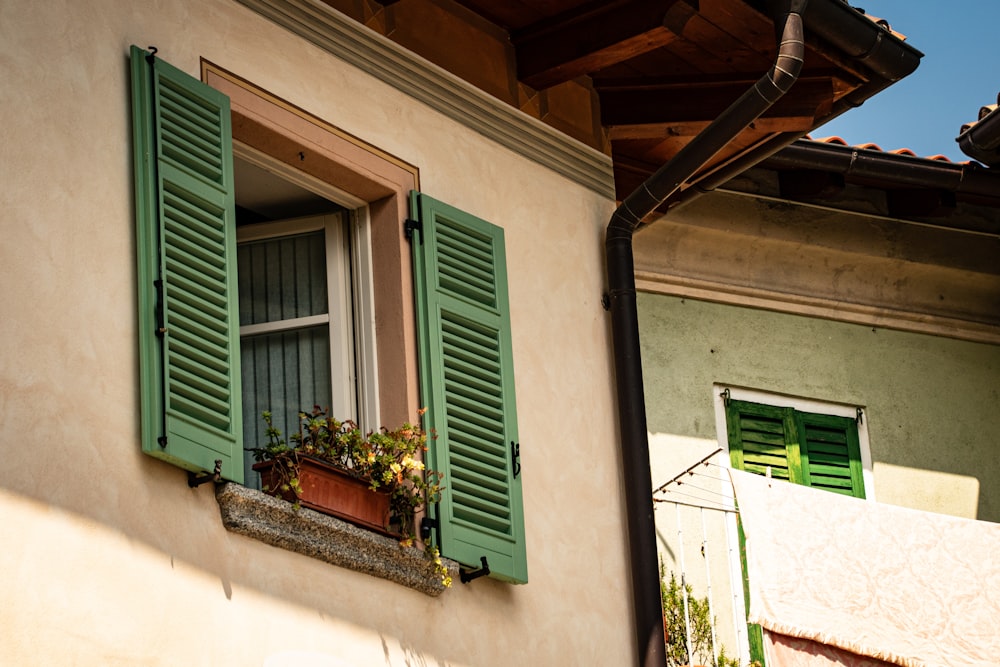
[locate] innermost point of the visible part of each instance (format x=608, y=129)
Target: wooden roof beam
x=686, y=111
x=686, y=130
x=608, y=33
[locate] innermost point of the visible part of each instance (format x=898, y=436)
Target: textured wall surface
x=930, y=402
x=110, y=558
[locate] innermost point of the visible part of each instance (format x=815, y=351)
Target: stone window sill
x=272, y=521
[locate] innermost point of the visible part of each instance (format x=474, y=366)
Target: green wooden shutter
x=815, y=450
x=467, y=385
x=188, y=323
x=762, y=436
x=831, y=453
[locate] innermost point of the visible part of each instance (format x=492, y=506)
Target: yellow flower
x=411, y=463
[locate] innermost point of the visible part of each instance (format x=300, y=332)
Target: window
x=797, y=440
x=287, y=302
x=818, y=450
x=296, y=322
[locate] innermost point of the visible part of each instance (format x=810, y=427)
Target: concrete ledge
x=272, y=521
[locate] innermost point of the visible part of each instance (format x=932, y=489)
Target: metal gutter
x=969, y=180
x=981, y=140
x=625, y=327
x=849, y=31
x=843, y=27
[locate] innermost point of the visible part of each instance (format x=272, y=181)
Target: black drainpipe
x=625, y=322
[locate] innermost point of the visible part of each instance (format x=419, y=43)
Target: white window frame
x=802, y=405
x=350, y=285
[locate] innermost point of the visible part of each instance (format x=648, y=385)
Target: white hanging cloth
x=894, y=584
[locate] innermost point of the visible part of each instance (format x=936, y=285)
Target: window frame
x=338, y=317
x=799, y=404
x=292, y=141
x=354, y=285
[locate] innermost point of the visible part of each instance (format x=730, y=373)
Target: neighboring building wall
x=928, y=401
x=724, y=269
x=110, y=558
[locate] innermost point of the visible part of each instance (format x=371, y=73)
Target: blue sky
x=959, y=73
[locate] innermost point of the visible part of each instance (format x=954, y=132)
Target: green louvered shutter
x=188, y=323
x=831, y=453
x=811, y=449
x=467, y=385
x=763, y=436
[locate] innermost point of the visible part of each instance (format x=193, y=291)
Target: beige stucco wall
x=109, y=557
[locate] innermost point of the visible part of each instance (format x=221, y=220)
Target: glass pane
x=283, y=373
x=282, y=278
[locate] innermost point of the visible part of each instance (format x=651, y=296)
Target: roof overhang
x=654, y=73
x=662, y=71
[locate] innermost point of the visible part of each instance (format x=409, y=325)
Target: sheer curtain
x=285, y=364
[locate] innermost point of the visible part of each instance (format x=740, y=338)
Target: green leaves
x=675, y=627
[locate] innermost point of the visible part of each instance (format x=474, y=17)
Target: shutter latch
x=215, y=476
x=465, y=576
x=515, y=455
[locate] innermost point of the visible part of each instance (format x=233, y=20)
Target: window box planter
x=331, y=490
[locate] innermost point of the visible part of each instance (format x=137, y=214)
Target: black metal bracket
x=515, y=454
x=427, y=525
x=195, y=480
x=725, y=397
x=860, y=419
x=158, y=309
x=465, y=576
x=410, y=225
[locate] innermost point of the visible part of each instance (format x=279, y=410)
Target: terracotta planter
x=332, y=491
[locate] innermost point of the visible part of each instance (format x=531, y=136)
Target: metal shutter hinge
x=410, y=225
x=427, y=525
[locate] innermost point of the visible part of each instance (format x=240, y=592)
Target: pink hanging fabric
x=785, y=651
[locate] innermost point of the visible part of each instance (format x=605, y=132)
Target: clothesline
x=695, y=495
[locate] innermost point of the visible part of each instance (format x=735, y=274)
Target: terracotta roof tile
x=906, y=152
x=882, y=23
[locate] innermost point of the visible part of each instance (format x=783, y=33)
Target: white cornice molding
x=423, y=80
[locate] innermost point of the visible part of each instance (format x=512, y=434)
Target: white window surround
x=353, y=351
x=802, y=405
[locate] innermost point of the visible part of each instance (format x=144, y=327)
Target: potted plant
x=375, y=479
